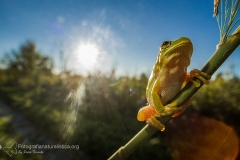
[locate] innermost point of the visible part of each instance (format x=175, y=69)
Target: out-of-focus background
x=74, y=73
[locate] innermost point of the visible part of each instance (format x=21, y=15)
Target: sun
x=87, y=55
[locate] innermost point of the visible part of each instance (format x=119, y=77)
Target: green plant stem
x=217, y=59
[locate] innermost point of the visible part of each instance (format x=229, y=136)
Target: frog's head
x=181, y=48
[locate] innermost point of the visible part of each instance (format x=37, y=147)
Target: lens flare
x=114, y=83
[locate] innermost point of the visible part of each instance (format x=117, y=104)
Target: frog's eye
x=165, y=44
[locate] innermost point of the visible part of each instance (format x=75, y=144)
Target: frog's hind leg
x=183, y=108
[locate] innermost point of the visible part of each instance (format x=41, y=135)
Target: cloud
x=60, y=19
x=101, y=34
x=84, y=23
x=103, y=12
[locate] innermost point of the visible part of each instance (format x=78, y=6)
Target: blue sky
x=126, y=33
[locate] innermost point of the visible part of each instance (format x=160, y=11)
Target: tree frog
x=168, y=77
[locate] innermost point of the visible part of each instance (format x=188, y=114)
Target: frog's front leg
x=173, y=107
x=204, y=77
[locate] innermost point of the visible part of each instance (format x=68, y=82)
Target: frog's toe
x=204, y=77
x=155, y=123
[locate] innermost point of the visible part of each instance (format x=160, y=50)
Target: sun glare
x=87, y=55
